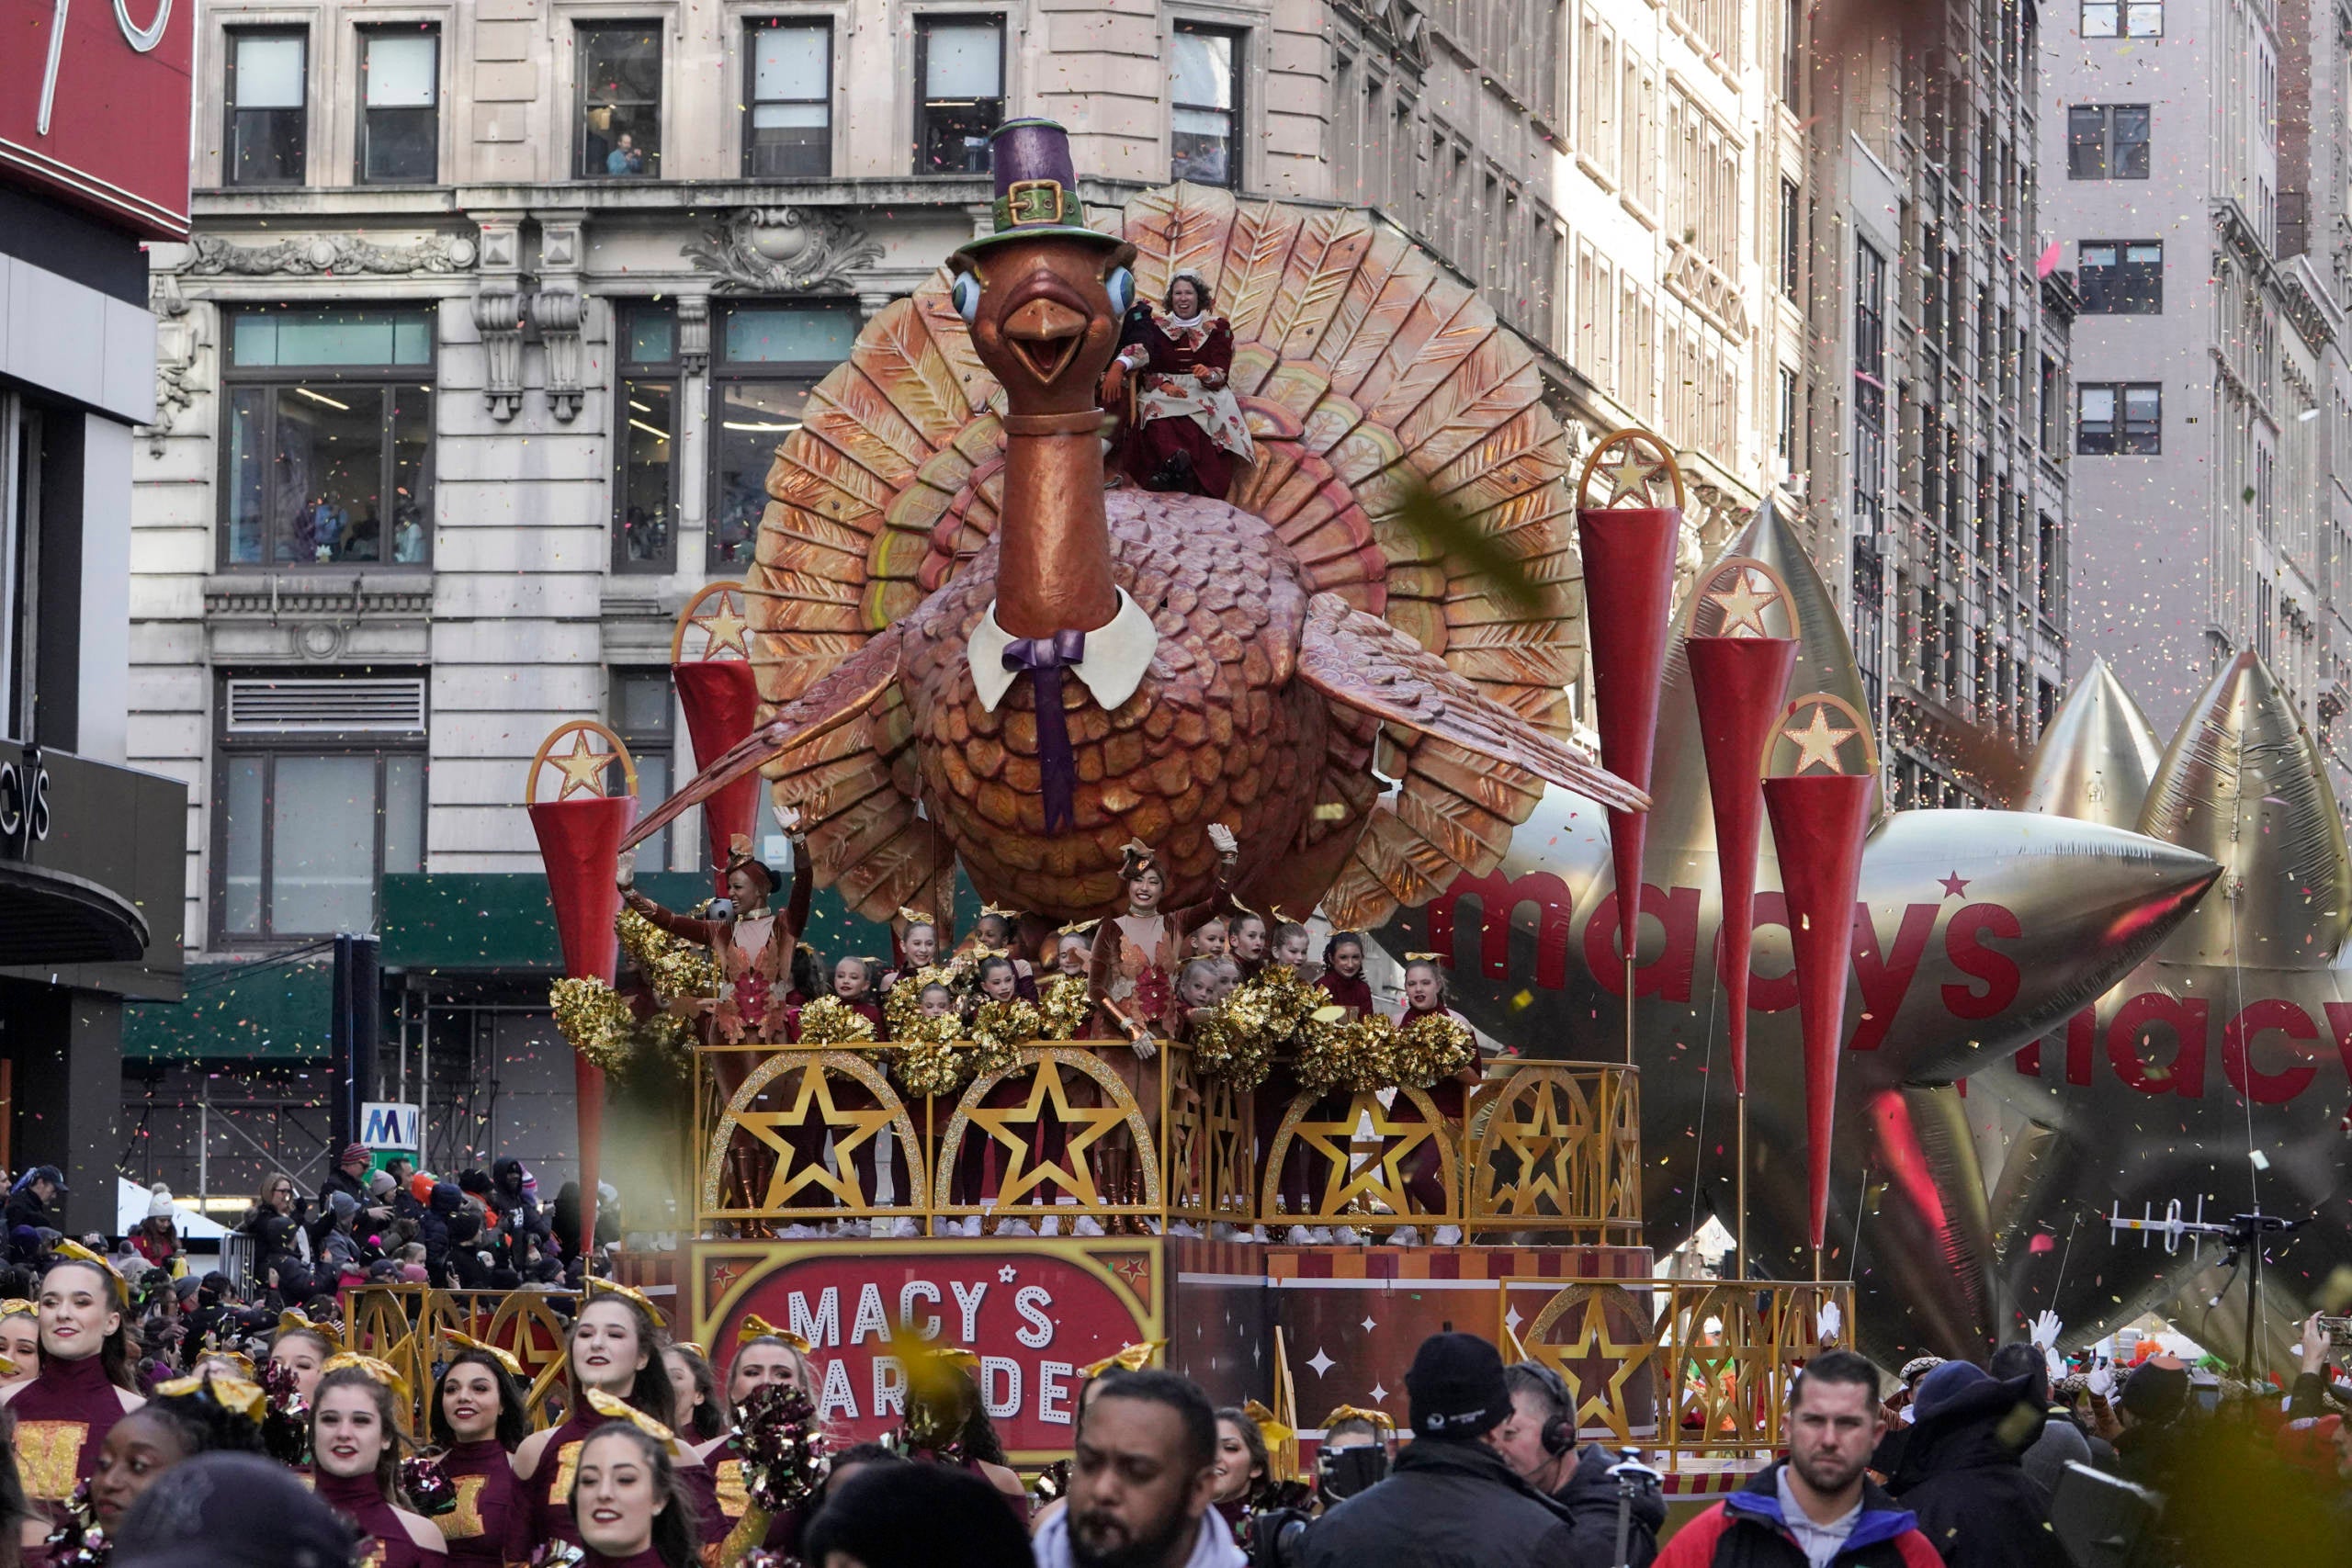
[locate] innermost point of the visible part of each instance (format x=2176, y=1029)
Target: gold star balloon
x=1983, y=928
x=2219, y=1070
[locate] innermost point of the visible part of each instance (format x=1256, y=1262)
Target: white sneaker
x=1320, y=1236
x=1405, y=1235
x=1086, y=1224
x=1051, y=1225
x=1256, y=1233
x=971, y=1225
x=1299, y=1236
x=1447, y=1235
x=1183, y=1227
x=1015, y=1228
x=1348, y=1236
x=904, y=1226
x=797, y=1233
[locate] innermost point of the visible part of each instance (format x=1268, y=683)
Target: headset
x=1559, y=1434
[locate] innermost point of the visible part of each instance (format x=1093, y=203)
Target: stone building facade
x=470, y=375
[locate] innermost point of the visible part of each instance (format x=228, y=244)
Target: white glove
x=2101, y=1381
x=2045, y=1330
x=1222, y=837
x=625, y=873
x=1829, y=1321
x=788, y=817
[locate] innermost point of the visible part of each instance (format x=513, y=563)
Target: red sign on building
x=95, y=106
x=1034, y=1314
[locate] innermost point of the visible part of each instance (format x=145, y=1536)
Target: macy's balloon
x=2218, y=1068
x=1975, y=932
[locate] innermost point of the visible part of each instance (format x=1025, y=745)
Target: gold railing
x=1084, y=1129
x=1697, y=1367
x=401, y=1323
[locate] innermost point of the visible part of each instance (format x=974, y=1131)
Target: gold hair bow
x=755, y=1327
x=17, y=1306
x=1079, y=928
x=289, y=1321
x=1275, y=1432
x=1423, y=958
x=612, y=1409
x=1128, y=1358
x=381, y=1371
x=237, y=1359
x=1245, y=909
x=630, y=1292
x=918, y=916
x=76, y=1252
x=1380, y=1419
x=692, y=1346
x=467, y=1342
x=988, y=909
x=231, y=1394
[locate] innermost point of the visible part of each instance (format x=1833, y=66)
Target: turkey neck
x=1053, y=542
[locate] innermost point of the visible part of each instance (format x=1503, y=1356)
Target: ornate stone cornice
x=328, y=255
x=782, y=250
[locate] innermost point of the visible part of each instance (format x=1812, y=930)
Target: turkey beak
x=1045, y=332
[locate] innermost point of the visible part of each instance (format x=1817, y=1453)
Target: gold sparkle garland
x=1431, y=1048
x=827, y=1020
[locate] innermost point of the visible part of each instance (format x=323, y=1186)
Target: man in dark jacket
x=1452, y=1501
x=29, y=1207
x=1816, y=1508
x=1960, y=1474
x=2151, y=1447
x=1539, y=1442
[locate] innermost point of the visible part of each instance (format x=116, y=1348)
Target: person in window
x=625, y=158
x=1185, y=431
x=408, y=534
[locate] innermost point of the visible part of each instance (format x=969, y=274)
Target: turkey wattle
x=1209, y=662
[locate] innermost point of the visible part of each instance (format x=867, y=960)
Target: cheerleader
x=187, y=1416
x=1425, y=995
x=1342, y=975
x=19, y=1340
x=85, y=1384
x=355, y=1459
x=627, y=1507
x=303, y=1349
x=1291, y=945
x=698, y=1416
x=479, y=1419
x=854, y=979
x=764, y=1354
x=1246, y=944
x=1241, y=1471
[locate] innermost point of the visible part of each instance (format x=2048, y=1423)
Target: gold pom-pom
x=902, y=1003
x=594, y=1017
x=1227, y=1050
x=1064, y=1003
x=1000, y=1029
x=827, y=1020
x=673, y=967
x=931, y=1059
x=1336, y=1051
x=1431, y=1048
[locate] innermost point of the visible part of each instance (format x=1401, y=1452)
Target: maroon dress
x=361, y=1500
x=61, y=1418
x=549, y=1488
x=1347, y=990
x=491, y=1526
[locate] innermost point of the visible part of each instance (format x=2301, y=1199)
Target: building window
x=788, y=109
x=2120, y=419
x=269, y=126
x=321, y=791
x=329, y=451
x=620, y=100
x=399, y=105
x=2107, y=18
x=2054, y=435
x=645, y=718
x=1791, y=239
x=1786, y=442
x=2123, y=277
x=960, y=63
x=1204, y=95
x=1870, y=386
x=769, y=356
x=645, y=446
x=2107, y=142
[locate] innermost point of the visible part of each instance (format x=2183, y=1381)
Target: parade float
x=960, y=659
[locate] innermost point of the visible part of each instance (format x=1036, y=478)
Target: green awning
x=265, y=1009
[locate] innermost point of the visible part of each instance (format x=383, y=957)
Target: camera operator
x=1539, y=1442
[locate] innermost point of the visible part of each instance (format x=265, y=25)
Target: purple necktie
x=1046, y=658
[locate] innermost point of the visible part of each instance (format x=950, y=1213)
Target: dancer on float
x=752, y=946
x=613, y=1365
x=355, y=1442
x=86, y=1383
x=1344, y=976
x=629, y=1505
x=480, y=1419
x=1426, y=995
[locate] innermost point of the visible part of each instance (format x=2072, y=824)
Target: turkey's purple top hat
x=1036, y=186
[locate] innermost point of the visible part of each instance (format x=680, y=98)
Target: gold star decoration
x=1817, y=743
x=1630, y=475
x=583, y=770
x=1019, y=1128
x=723, y=628
x=1743, y=604
x=852, y=1129
x=1397, y=1131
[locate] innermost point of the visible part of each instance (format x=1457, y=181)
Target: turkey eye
x=966, y=292
x=1122, y=286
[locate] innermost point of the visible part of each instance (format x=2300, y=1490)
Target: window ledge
x=1594, y=172
x=266, y=595
x=1642, y=214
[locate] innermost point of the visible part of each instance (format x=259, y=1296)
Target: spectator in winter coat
x=406, y=1205
x=2062, y=1442
x=1816, y=1508
x=434, y=1231
x=517, y=1210
x=277, y=1248
x=29, y=1208
x=1961, y=1477
x=1539, y=1442
x=1451, y=1486
x=339, y=1248
x=2152, y=1448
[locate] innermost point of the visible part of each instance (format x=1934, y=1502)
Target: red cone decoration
x=1629, y=597
x=722, y=704
x=1818, y=824
x=1737, y=683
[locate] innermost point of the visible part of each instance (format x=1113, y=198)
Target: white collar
x=1116, y=656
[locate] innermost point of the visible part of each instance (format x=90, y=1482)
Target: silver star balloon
x=2217, y=1073
x=1983, y=928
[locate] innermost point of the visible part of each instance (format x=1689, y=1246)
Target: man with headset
x=1539, y=1442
